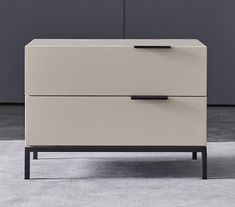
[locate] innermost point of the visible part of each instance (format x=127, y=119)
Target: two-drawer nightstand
x=116, y=95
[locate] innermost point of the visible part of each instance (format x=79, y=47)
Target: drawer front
x=115, y=121
x=178, y=71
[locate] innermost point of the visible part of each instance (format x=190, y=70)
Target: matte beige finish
x=78, y=93
x=113, y=42
x=115, y=121
x=114, y=67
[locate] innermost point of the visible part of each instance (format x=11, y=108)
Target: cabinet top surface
x=114, y=42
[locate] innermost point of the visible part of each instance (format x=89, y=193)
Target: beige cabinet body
x=78, y=92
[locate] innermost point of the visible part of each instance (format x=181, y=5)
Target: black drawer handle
x=152, y=46
x=149, y=97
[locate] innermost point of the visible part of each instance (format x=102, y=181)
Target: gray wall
x=23, y=20
x=210, y=21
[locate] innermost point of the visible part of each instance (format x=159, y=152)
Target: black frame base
x=193, y=149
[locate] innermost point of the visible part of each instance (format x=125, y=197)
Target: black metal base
x=35, y=155
x=194, y=155
x=193, y=149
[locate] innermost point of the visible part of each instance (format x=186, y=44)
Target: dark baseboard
x=221, y=105
x=13, y=104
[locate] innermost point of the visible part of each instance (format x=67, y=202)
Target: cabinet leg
x=194, y=155
x=35, y=155
x=27, y=163
x=204, y=164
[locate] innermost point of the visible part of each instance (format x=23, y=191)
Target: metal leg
x=35, y=155
x=204, y=163
x=194, y=155
x=27, y=163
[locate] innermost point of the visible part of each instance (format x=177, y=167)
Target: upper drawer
x=115, y=67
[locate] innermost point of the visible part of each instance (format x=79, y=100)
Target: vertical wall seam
x=124, y=19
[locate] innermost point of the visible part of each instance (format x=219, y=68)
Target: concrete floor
x=117, y=179
x=221, y=123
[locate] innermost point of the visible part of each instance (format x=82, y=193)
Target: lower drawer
x=115, y=121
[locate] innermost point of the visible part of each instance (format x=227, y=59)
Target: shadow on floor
x=218, y=168
x=142, y=169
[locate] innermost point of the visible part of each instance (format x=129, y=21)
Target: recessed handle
x=149, y=97
x=152, y=46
